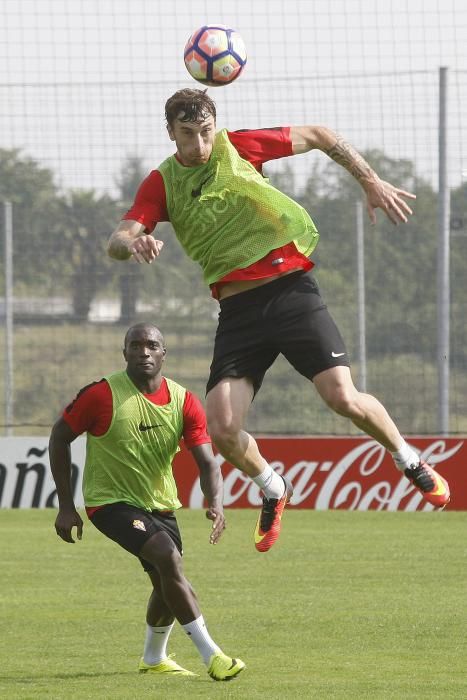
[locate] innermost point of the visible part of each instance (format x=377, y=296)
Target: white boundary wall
x=25, y=478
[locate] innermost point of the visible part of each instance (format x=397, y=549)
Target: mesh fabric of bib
x=132, y=461
x=227, y=216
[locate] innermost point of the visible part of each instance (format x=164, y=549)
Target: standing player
x=252, y=243
x=134, y=421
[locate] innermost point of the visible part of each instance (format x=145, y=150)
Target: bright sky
x=84, y=82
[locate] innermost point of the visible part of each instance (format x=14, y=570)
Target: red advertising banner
x=347, y=473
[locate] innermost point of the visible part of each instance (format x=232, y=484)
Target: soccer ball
x=215, y=55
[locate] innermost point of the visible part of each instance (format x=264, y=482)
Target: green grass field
x=346, y=605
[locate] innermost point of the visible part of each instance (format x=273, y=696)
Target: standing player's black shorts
x=286, y=316
x=131, y=527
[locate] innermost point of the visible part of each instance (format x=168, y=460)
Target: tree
x=87, y=219
x=459, y=275
x=58, y=239
x=129, y=276
x=398, y=260
x=36, y=213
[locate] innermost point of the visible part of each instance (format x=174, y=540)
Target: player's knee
x=223, y=433
x=170, y=562
x=225, y=441
x=162, y=553
x=344, y=403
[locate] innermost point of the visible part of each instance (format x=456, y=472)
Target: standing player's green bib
x=132, y=462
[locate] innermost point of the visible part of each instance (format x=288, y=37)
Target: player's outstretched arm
x=380, y=194
x=211, y=483
x=60, y=464
x=130, y=239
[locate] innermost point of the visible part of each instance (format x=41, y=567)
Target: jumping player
x=253, y=244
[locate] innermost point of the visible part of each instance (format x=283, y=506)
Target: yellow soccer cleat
x=168, y=667
x=223, y=668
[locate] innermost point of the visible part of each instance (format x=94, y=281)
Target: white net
x=82, y=93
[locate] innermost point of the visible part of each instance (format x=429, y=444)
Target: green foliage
x=399, y=261
x=129, y=179
x=459, y=275
x=52, y=362
x=59, y=251
x=36, y=216
x=174, y=283
x=87, y=222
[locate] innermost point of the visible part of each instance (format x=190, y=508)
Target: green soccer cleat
x=168, y=667
x=223, y=668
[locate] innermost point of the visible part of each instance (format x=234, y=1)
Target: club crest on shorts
x=139, y=525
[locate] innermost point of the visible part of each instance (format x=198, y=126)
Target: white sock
x=270, y=483
x=155, y=645
x=405, y=457
x=199, y=635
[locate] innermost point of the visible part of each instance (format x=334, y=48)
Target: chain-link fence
x=82, y=93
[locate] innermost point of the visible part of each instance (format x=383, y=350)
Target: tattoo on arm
x=344, y=154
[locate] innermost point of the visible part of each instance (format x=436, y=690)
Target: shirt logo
x=197, y=191
x=139, y=525
x=143, y=427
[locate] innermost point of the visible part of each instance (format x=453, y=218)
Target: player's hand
x=145, y=248
x=218, y=524
x=65, y=522
x=383, y=195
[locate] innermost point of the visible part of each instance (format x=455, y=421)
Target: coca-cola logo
x=363, y=478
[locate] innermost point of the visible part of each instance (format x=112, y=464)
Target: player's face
x=144, y=352
x=194, y=140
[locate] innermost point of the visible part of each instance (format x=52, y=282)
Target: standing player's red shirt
x=257, y=147
x=92, y=410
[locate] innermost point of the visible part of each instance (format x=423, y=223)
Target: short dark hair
x=196, y=106
x=141, y=327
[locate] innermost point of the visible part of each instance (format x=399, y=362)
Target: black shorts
x=286, y=316
x=131, y=527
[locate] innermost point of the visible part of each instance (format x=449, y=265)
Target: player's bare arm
x=380, y=194
x=212, y=487
x=60, y=463
x=131, y=240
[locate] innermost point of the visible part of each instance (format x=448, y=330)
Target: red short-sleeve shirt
x=91, y=411
x=257, y=147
